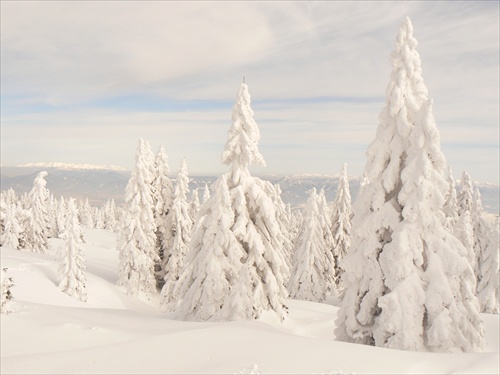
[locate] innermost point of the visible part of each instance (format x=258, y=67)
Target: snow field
x=50, y=332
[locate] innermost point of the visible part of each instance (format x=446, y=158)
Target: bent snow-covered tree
x=137, y=238
x=71, y=274
x=409, y=284
x=260, y=285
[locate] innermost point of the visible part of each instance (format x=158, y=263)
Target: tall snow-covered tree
x=194, y=205
x=450, y=207
x=284, y=225
x=109, y=215
x=341, y=224
x=86, y=217
x=6, y=303
x=213, y=261
x=71, y=273
x=408, y=283
x=479, y=230
x=39, y=224
x=181, y=230
x=463, y=228
x=313, y=271
x=465, y=195
x=206, y=194
x=488, y=289
x=162, y=203
x=137, y=238
x=260, y=285
x=60, y=219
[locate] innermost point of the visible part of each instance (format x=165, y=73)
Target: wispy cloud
x=92, y=77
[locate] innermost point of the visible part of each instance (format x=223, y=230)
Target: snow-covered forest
x=231, y=279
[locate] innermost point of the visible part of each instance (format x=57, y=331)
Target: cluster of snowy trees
x=29, y=221
x=413, y=263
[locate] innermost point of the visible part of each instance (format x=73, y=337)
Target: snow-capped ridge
x=70, y=166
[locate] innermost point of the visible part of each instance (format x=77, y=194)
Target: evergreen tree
x=464, y=197
x=283, y=221
x=86, y=217
x=213, y=261
x=71, y=273
x=206, y=194
x=109, y=215
x=341, y=224
x=6, y=303
x=162, y=203
x=60, y=219
x=450, y=207
x=181, y=231
x=408, y=283
x=12, y=230
x=39, y=222
x=488, y=289
x=313, y=266
x=479, y=230
x=23, y=217
x=259, y=286
x=194, y=205
x=136, y=246
x=464, y=232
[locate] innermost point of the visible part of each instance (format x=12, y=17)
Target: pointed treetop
x=241, y=149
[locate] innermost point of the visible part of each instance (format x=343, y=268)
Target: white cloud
x=63, y=63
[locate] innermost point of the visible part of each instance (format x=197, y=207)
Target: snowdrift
x=52, y=333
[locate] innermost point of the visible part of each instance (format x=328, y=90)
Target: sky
x=82, y=82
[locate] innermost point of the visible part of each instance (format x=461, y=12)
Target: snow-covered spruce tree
x=450, y=207
x=341, y=224
x=39, y=224
x=260, y=285
x=464, y=196
x=313, y=272
x=255, y=227
x=463, y=228
x=194, y=205
x=162, y=203
x=479, y=230
x=213, y=261
x=109, y=215
x=408, y=283
x=6, y=299
x=23, y=218
x=488, y=289
x=86, y=217
x=284, y=225
x=173, y=265
x=71, y=273
x=60, y=219
x=12, y=230
x=206, y=194
x=136, y=244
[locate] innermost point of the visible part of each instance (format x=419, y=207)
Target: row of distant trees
x=413, y=263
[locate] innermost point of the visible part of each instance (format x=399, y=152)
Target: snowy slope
x=113, y=333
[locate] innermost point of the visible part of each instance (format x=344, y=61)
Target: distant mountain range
x=100, y=183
